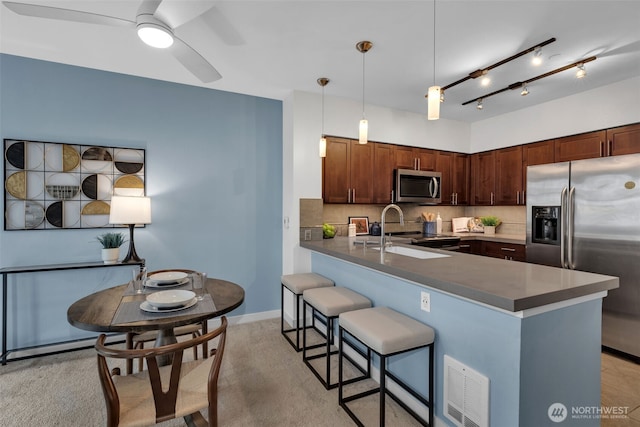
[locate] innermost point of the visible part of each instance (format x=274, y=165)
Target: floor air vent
x=466, y=395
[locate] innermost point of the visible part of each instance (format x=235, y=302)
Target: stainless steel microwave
x=414, y=186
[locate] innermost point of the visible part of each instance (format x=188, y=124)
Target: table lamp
x=130, y=211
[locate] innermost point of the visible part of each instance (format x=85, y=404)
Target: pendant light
x=363, y=47
x=434, y=95
x=322, y=147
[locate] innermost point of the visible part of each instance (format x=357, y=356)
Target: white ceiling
x=269, y=48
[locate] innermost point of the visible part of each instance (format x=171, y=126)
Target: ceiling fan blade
x=194, y=62
x=216, y=21
x=179, y=12
x=148, y=7
x=48, y=12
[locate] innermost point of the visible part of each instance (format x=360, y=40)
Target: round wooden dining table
x=95, y=312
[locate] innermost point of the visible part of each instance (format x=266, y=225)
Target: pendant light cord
x=434, y=42
x=322, y=112
x=363, y=55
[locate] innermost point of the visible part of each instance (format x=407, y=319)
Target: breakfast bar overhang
x=533, y=331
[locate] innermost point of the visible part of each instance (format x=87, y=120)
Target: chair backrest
x=165, y=401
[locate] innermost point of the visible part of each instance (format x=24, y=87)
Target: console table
x=6, y=271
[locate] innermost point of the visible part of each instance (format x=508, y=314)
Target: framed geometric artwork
x=50, y=185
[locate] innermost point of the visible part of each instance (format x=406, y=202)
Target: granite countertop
x=509, y=285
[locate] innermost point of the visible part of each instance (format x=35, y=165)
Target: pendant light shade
x=322, y=145
x=363, y=130
x=433, y=106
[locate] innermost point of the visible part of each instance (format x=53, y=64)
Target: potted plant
x=111, y=243
x=490, y=223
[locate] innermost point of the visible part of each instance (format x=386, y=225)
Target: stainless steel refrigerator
x=585, y=215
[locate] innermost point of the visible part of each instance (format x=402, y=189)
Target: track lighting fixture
x=486, y=80
x=581, y=73
x=363, y=130
x=524, y=91
x=537, y=56
x=322, y=146
x=482, y=72
x=479, y=106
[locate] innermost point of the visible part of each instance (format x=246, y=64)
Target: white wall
x=302, y=168
x=609, y=106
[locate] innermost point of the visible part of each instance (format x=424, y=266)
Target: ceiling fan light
x=155, y=35
x=433, y=103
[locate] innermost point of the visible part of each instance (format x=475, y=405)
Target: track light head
x=479, y=106
x=582, y=72
x=537, y=56
x=524, y=91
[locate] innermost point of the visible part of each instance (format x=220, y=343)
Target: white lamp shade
x=130, y=210
x=433, y=103
x=364, y=130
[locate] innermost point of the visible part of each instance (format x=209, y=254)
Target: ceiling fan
x=155, y=18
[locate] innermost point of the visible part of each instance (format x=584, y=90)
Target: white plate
x=145, y=306
x=167, y=276
x=154, y=284
x=172, y=298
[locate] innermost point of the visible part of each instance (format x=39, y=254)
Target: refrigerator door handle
x=563, y=225
x=570, y=220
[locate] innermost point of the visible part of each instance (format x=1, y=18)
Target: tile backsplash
x=513, y=217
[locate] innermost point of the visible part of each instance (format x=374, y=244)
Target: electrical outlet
x=307, y=234
x=425, y=301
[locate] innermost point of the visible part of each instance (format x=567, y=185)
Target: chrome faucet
x=382, y=218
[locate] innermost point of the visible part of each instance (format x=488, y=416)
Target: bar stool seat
x=330, y=303
x=387, y=333
x=297, y=284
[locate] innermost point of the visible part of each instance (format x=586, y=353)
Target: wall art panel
x=51, y=185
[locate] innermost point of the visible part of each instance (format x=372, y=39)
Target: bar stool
x=387, y=333
x=330, y=303
x=297, y=284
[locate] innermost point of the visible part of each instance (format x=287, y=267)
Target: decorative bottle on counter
x=438, y=224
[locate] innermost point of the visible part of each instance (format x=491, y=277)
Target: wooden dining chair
x=160, y=393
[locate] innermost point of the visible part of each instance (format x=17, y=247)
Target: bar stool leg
x=383, y=388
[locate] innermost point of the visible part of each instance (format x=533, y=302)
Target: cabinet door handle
x=508, y=249
x=348, y=195
x=353, y=198
x=517, y=197
x=465, y=246
x=492, y=198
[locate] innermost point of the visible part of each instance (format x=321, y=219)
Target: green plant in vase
x=111, y=243
x=490, y=223
x=111, y=240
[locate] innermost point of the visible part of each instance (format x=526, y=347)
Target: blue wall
x=214, y=173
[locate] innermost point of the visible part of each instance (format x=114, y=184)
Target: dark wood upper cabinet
x=483, y=178
x=382, y=172
x=414, y=158
x=584, y=146
x=537, y=153
x=347, y=172
x=623, y=140
x=454, y=168
x=508, y=186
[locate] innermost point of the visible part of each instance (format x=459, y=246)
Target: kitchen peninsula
x=533, y=331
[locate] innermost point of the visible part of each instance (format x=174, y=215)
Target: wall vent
x=466, y=395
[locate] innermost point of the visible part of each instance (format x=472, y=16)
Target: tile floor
x=620, y=388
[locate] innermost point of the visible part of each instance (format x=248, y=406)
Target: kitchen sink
x=415, y=253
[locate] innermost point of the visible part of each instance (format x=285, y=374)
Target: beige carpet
x=263, y=383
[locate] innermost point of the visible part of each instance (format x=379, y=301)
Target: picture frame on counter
x=361, y=223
